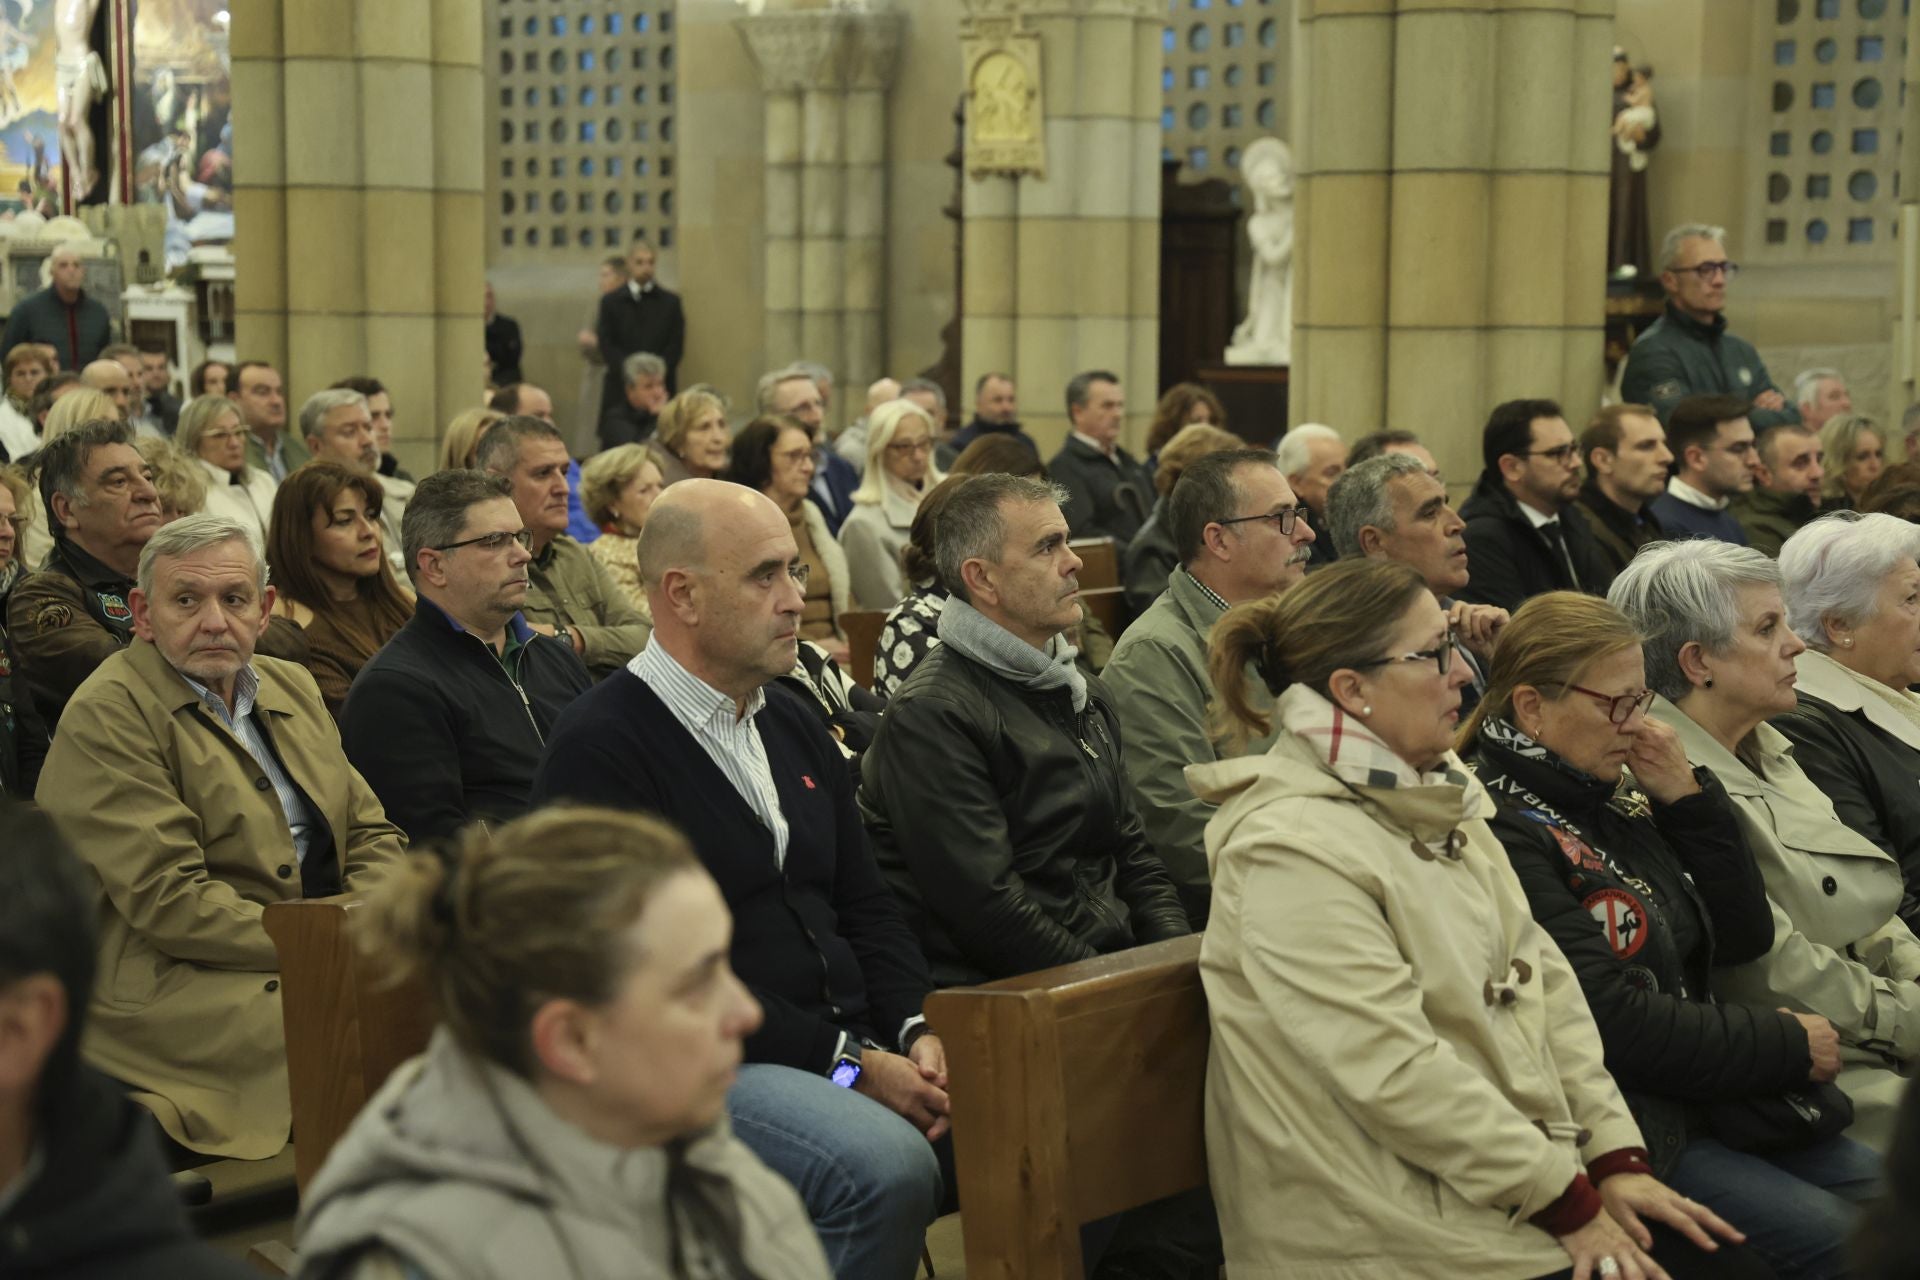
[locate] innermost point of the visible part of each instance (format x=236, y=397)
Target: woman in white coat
x=898, y=474
x=1721, y=656
x=211, y=432
x=1405, y=1081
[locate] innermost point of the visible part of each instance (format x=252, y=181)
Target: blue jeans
x=1797, y=1207
x=869, y=1179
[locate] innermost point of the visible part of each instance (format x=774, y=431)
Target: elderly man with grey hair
x=631, y=419
x=202, y=782
x=851, y=443
x=62, y=315
x=337, y=425
x=1852, y=586
x=1688, y=351
x=1821, y=394
x=1312, y=456
x=799, y=391
x=1721, y=655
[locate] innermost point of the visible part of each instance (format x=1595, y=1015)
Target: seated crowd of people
x=1557, y=859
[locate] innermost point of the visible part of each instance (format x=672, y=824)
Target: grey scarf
x=1007, y=655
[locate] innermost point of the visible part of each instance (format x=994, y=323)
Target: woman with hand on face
x=568, y=1119
x=1721, y=657
x=775, y=455
x=898, y=474
x=1405, y=1080
x=690, y=438
x=1852, y=588
x=1646, y=885
x=332, y=574
x=211, y=432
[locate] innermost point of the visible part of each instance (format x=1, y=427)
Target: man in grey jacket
x=1234, y=524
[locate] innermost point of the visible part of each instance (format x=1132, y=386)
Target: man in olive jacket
x=201, y=782
x=1235, y=526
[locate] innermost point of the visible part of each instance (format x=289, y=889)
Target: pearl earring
x=1366, y=711
x=1847, y=642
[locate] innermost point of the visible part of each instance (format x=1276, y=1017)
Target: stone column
x=359, y=242
x=1453, y=234
x=826, y=74
x=1062, y=271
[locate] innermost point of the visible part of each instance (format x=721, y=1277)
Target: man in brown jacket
x=201, y=782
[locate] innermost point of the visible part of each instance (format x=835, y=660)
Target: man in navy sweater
x=1712, y=442
x=844, y=1088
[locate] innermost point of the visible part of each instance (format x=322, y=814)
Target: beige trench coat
x=188, y=843
x=1838, y=948
x=1403, y=1064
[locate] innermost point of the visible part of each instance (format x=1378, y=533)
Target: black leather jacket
x=1003, y=822
x=1644, y=904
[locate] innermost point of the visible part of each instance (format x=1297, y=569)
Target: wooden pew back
x=862, y=628
x=347, y=1027
x=1077, y=1092
x=1099, y=562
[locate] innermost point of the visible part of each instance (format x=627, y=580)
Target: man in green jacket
x=1688, y=351
x=1786, y=486
x=1237, y=529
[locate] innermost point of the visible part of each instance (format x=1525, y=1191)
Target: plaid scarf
x=1358, y=758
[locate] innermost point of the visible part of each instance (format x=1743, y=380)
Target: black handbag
x=1783, y=1122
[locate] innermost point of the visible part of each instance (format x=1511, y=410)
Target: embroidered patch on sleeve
x=1669, y=390
x=52, y=615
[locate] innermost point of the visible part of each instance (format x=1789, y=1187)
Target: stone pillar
x=1062, y=271
x=826, y=75
x=359, y=243
x=1453, y=233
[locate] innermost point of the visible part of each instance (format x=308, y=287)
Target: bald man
x=851, y=444
x=111, y=379
x=62, y=316
x=844, y=1088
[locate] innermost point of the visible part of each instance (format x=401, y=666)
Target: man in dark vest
x=641, y=316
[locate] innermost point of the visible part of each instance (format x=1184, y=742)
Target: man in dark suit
x=504, y=345
x=1108, y=491
x=156, y=403
x=640, y=317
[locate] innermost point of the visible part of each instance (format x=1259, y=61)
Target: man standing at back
x=639, y=316
x=1519, y=544
x=61, y=315
x=1108, y=492
x=1712, y=442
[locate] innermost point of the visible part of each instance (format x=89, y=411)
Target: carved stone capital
x=823, y=48
x=1152, y=10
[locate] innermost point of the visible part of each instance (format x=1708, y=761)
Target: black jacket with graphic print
x=1644, y=899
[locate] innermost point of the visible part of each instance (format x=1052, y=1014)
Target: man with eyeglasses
x=447, y=721
x=1516, y=537
x=1712, y=442
x=1688, y=351
x=1238, y=531
x=843, y=1091
x=571, y=595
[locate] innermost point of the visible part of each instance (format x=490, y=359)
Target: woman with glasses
x=1855, y=454
x=1405, y=1079
x=1646, y=886
x=1720, y=655
x=899, y=473
x=210, y=431
x=775, y=455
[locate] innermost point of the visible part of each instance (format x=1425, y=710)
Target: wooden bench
x=347, y=1026
x=1099, y=562
x=862, y=629
x=1077, y=1093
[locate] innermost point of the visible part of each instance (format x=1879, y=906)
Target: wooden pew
x=347, y=1026
x=862, y=628
x=1099, y=562
x=1077, y=1093
x=1108, y=607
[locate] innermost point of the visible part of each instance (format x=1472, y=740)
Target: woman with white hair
x=1721, y=657
x=898, y=474
x=1852, y=586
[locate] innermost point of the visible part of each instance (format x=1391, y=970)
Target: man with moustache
x=1625, y=448
x=429, y=723
x=1787, y=470
x=571, y=595
x=1519, y=544
x=844, y=1088
x=1238, y=532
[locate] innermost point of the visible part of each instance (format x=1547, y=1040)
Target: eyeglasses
x=1283, y=519
x=793, y=457
x=1708, y=270
x=1620, y=708
x=904, y=447
x=490, y=541
x=234, y=434
x=1441, y=657
x=1559, y=453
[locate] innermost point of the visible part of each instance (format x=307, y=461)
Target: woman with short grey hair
x=1721, y=655
x=1852, y=585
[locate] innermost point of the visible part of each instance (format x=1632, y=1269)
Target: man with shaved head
x=844, y=1089
x=111, y=379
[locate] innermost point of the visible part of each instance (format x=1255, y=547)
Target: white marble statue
x=1266, y=335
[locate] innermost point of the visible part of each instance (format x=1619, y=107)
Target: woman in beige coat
x=1405, y=1081
x=1721, y=656
x=568, y=1119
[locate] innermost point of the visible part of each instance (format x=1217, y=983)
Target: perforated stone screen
x=581, y=147
x=1223, y=81
x=1829, y=74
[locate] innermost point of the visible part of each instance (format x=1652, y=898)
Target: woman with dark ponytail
x=568, y=1118
x=1405, y=1080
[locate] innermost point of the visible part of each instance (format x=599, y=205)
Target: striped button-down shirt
x=729, y=739
x=246, y=687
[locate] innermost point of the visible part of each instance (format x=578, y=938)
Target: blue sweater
x=1684, y=520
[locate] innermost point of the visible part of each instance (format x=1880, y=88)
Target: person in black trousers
x=642, y=316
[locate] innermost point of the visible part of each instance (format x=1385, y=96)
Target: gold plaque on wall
x=1004, y=133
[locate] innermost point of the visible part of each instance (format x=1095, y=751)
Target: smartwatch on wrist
x=845, y=1070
